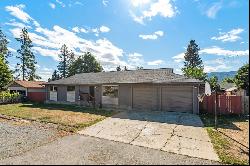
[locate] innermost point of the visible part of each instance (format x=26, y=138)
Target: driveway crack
x=145, y=126
x=173, y=134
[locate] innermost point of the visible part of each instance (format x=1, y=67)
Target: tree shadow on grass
x=224, y=121
x=67, y=107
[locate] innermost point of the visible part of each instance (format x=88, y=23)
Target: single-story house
x=146, y=89
x=33, y=90
x=230, y=89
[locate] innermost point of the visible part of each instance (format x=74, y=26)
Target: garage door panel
x=142, y=97
x=178, y=99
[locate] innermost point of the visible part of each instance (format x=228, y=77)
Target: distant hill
x=222, y=75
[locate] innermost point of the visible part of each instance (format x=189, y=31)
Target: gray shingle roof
x=165, y=75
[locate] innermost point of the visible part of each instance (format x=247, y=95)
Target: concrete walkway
x=85, y=150
x=180, y=133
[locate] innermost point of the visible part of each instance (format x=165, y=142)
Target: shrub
x=7, y=97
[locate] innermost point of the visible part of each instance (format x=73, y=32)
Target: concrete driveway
x=179, y=133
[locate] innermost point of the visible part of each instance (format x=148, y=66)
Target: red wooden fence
x=225, y=104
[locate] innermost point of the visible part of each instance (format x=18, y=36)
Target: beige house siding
x=124, y=96
x=62, y=93
x=98, y=95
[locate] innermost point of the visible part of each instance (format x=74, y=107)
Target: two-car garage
x=161, y=97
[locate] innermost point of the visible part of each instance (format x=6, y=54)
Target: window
x=53, y=88
x=70, y=88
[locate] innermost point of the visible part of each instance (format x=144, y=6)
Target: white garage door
x=177, y=98
x=142, y=97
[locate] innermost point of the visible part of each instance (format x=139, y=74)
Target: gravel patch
x=19, y=136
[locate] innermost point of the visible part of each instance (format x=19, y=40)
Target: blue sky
x=148, y=33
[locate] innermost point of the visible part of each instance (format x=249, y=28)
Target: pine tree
x=71, y=67
x=4, y=52
x=5, y=74
x=27, y=67
x=55, y=76
x=192, y=58
x=64, y=57
x=193, y=66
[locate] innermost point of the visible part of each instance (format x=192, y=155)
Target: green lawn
x=69, y=117
x=228, y=140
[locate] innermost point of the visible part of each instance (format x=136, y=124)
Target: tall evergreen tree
x=4, y=52
x=193, y=66
x=27, y=67
x=64, y=57
x=55, y=76
x=5, y=72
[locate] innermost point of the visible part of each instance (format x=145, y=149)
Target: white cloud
x=52, y=5
x=230, y=36
x=155, y=63
x=179, y=57
x=60, y=3
x=17, y=12
x=105, y=2
x=137, y=19
x=18, y=25
x=159, y=33
x=47, y=42
x=11, y=49
x=162, y=8
x=45, y=73
x=213, y=10
x=215, y=65
x=16, y=32
x=146, y=37
x=78, y=30
x=222, y=52
x=137, y=3
x=153, y=36
x=135, y=59
x=104, y=29
x=78, y=3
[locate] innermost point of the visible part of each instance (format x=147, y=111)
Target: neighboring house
x=230, y=89
x=34, y=90
x=148, y=89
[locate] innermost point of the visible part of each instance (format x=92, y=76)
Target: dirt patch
x=238, y=139
x=231, y=139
